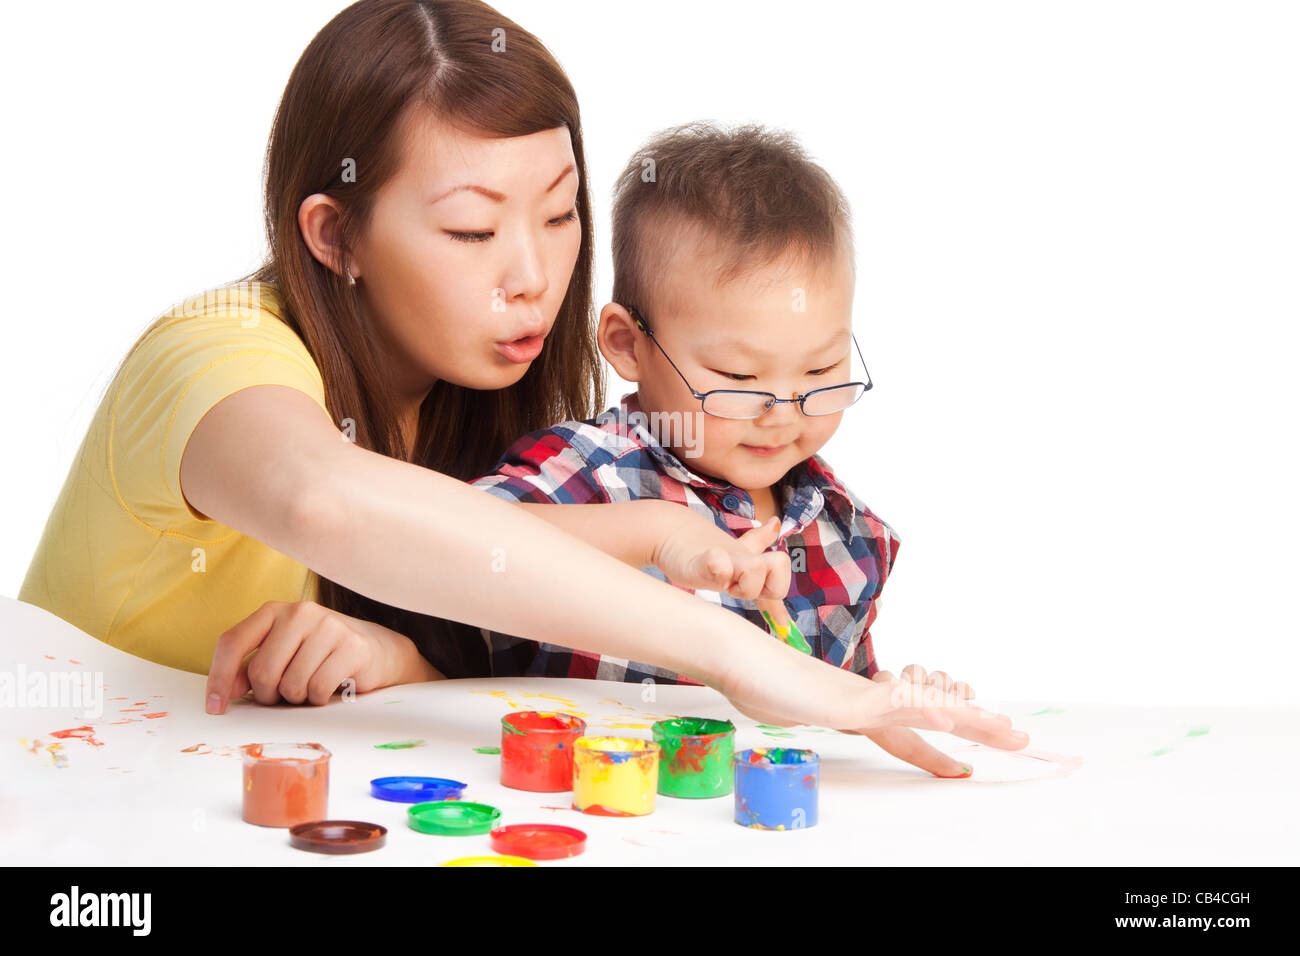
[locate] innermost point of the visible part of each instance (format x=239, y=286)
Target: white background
x=1077, y=229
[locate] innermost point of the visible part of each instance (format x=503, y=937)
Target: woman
x=289, y=454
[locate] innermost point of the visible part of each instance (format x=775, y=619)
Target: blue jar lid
x=415, y=789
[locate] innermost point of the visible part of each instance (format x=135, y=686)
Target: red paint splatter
x=810, y=781
x=49, y=657
x=190, y=750
x=559, y=808
x=71, y=661
x=81, y=733
x=161, y=713
x=117, y=698
x=129, y=720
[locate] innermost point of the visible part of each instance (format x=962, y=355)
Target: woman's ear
x=617, y=337
x=318, y=222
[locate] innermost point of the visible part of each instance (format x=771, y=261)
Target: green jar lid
x=452, y=817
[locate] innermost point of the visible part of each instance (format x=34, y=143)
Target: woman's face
x=468, y=254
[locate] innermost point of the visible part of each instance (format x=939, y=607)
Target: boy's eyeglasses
x=743, y=405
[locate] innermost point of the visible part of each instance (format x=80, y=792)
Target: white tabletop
x=155, y=780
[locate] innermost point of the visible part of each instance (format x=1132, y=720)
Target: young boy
x=733, y=274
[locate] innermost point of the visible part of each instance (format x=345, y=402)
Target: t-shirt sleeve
x=543, y=467
x=178, y=372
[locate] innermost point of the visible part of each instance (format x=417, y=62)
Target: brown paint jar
x=285, y=784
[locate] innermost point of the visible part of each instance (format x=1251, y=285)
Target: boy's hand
x=696, y=553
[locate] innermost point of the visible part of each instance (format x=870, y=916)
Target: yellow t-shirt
x=123, y=556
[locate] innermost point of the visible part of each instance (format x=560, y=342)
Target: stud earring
x=351, y=280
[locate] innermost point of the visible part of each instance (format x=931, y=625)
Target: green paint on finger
x=400, y=745
x=487, y=750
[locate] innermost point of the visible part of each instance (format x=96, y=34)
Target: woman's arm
x=268, y=462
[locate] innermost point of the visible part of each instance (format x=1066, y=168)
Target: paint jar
x=285, y=784
x=776, y=788
x=615, y=776
x=695, y=756
x=537, y=750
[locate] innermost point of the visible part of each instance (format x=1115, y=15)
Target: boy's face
x=747, y=334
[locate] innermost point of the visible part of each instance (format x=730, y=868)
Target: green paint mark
x=1197, y=731
x=510, y=728
x=392, y=702
x=487, y=750
x=400, y=745
x=1162, y=751
x=769, y=727
x=770, y=733
x=1049, y=710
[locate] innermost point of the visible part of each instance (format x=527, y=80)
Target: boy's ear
x=617, y=336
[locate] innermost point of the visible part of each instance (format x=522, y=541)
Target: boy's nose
x=782, y=413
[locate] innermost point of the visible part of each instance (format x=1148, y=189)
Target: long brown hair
x=345, y=99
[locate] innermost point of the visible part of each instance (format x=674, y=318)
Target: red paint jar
x=537, y=750
x=285, y=784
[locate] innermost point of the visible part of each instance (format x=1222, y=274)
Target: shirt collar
x=803, y=492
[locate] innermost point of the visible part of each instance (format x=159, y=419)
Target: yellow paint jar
x=615, y=776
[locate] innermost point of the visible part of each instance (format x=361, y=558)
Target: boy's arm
x=541, y=471
x=631, y=531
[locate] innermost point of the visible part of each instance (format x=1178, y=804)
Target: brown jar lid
x=337, y=836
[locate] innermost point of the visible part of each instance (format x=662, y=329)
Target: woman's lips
x=765, y=451
x=522, y=350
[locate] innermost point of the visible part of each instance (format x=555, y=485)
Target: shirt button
x=730, y=502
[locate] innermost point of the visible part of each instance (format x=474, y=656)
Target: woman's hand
x=304, y=652
x=695, y=553
x=881, y=709
x=909, y=746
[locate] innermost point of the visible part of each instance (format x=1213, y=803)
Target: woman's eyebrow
x=493, y=194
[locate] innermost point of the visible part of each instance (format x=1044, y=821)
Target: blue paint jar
x=776, y=788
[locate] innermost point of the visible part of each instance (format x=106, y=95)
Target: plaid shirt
x=840, y=552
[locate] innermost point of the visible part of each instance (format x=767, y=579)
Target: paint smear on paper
x=1048, y=710
x=499, y=695
x=1197, y=732
x=205, y=749
x=487, y=750
x=81, y=733
x=1015, y=766
x=400, y=745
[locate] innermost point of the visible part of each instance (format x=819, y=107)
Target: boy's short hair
x=750, y=190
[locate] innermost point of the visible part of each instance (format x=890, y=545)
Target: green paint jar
x=695, y=756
